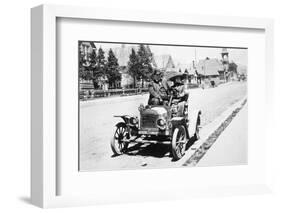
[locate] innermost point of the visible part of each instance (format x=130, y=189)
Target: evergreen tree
x=134, y=67
x=112, y=69
x=149, y=53
x=90, y=70
x=232, y=67
x=93, y=59
x=99, y=70
x=145, y=60
x=100, y=60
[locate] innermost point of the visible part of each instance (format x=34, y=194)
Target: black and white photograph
x=144, y=106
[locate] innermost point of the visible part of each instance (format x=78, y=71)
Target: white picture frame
x=44, y=169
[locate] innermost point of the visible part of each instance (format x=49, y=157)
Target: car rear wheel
x=118, y=145
x=179, y=140
x=197, y=130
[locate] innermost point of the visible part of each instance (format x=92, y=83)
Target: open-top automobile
x=166, y=123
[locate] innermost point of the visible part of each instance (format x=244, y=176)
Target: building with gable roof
x=122, y=53
x=164, y=63
x=208, y=70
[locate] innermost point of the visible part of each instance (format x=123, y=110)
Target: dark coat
x=157, y=90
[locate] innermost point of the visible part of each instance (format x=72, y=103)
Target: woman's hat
x=172, y=75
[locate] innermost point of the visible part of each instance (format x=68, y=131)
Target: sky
x=185, y=54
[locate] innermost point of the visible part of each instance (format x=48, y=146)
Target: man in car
x=157, y=89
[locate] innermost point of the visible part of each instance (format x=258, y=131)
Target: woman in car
x=180, y=90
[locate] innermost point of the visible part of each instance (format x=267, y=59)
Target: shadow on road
x=153, y=150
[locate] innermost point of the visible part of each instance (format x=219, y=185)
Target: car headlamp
x=141, y=107
x=134, y=121
x=161, y=123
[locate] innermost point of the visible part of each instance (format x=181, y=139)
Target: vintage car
x=158, y=124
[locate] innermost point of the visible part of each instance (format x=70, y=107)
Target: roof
x=164, y=62
x=88, y=43
x=122, y=53
x=182, y=67
x=189, y=67
x=171, y=74
x=208, y=67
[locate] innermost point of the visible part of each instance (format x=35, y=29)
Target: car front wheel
x=121, y=133
x=179, y=141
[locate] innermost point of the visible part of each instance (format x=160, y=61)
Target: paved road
x=96, y=126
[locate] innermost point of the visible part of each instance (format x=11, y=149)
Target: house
x=103, y=82
x=86, y=48
x=122, y=53
x=208, y=70
x=180, y=67
x=164, y=63
x=189, y=69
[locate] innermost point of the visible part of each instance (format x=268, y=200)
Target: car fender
x=192, y=118
x=125, y=118
x=175, y=121
x=121, y=124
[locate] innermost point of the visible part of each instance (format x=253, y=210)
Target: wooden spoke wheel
x=179, y=140
x=197, y=130
x=118, y=145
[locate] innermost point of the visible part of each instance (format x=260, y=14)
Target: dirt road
x=97, y=122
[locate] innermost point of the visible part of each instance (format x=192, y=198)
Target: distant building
x=214, y=71
x=164, y=63
x=86, y=48
x=189, y=69
x=103, y=82
x=208, y=70
x=230, y=68
x=122, y=53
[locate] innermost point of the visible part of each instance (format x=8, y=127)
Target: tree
x=99, y=70
x=100, y=61
x=134, y=66
x=112, y=67
x=145, y=60
x=90, y=70
x=232, y=67
x=86, y=65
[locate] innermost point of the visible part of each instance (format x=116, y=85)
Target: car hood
x=159, y=110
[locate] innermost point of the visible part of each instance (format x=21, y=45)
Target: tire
x=117, y=144
x=196, y=135
x=179, y=140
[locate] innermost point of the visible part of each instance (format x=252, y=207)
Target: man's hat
x=157, y=72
